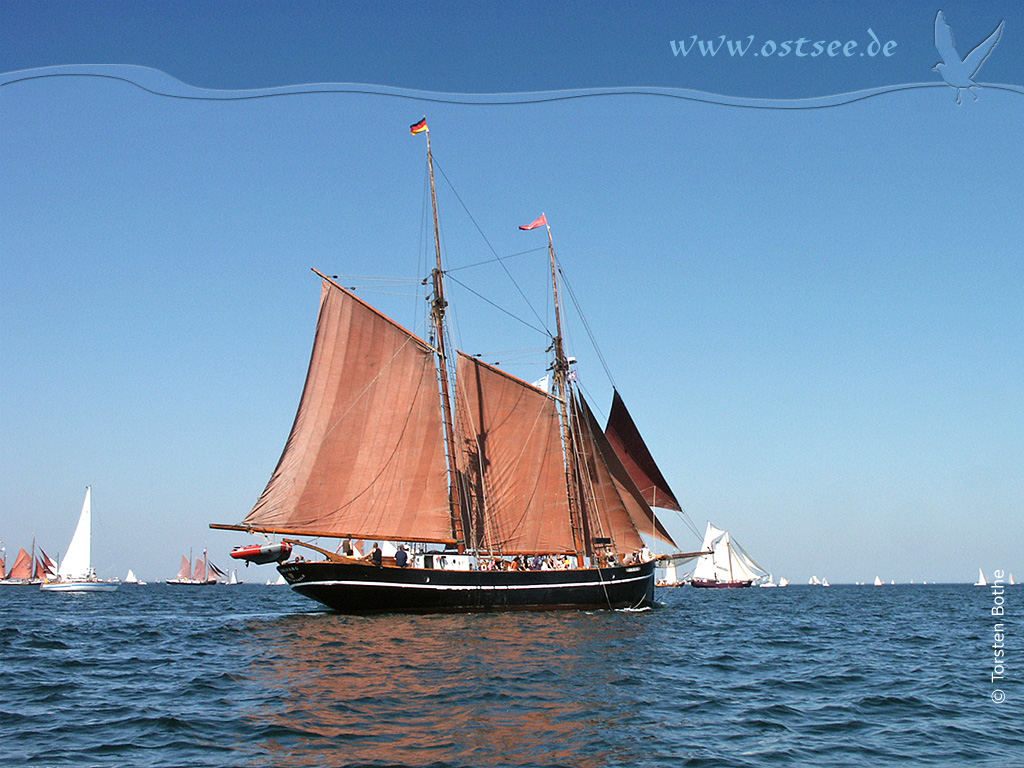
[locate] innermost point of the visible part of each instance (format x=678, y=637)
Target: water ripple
x=255, y=676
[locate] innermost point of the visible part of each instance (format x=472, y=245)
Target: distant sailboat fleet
x=200, y=574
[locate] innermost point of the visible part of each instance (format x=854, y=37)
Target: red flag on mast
x=541, y=222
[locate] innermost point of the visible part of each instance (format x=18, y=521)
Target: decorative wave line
x=159, y=83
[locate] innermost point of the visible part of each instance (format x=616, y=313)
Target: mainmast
x=560, y=371
x=438, y=305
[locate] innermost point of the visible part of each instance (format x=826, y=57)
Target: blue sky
x=814, y=314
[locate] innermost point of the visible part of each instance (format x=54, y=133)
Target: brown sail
x=22, y=568
x=512, y=462
x=365, y=457
x=616, y=508
x=629, y=446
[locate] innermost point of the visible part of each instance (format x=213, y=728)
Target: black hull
x=721, y=584
x=359, y=588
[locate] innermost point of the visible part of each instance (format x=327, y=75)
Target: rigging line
x=488, y=242
x=497, y=259
x=502, y=309
x=372, y=289
x=378, y=278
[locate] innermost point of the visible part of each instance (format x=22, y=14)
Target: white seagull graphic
x=956, y=72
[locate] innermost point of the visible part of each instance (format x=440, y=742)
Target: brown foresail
x=512, y=462
x=365, y=457
x=632, y=451
x=617, y=509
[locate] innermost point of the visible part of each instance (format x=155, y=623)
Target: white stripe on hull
x=463, y=587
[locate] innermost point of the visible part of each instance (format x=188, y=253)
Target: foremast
x=438, y=305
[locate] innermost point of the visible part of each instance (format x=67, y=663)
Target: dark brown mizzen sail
x=632, y=451
x=512, y=462
x=365, y=457
x=617, y=509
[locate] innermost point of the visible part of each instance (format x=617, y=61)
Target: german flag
x=419, y=127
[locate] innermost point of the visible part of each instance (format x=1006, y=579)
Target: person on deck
x=401, y=558
x=376, y=555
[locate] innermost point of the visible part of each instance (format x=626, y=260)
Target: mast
x=438, y=305
x=560, y=371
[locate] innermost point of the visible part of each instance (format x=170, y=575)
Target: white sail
x=77, y=562
x=1012, y=582
x=981, y=579
x=726, y=562
x=878, y=581
x=131, y=578
x=707, y=567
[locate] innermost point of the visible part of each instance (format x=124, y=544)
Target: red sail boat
x=202, y=574
x=510, y=497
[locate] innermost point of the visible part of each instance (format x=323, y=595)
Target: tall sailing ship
x=508, y=495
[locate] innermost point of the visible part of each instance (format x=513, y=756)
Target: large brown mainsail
x=365, y=457
x=632, y=451
x=512, y=462
x=616, y=508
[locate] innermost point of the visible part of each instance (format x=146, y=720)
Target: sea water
x=259, y=676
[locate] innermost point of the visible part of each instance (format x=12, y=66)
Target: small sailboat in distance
x=724, y=565
x=131, y=578
x=75, y=573
x=202, y=574
x=878, y=581
x=981, y=582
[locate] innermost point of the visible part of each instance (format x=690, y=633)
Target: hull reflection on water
x=440, y=690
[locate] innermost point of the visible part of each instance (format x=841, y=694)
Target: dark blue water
x=258, y=676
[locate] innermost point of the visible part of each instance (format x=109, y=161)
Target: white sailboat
x=75, y=573
x=131, y=578
x=878, y=581
x=1012, y=582
x=671, y=578
x=981, y=582
x=724, y=564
